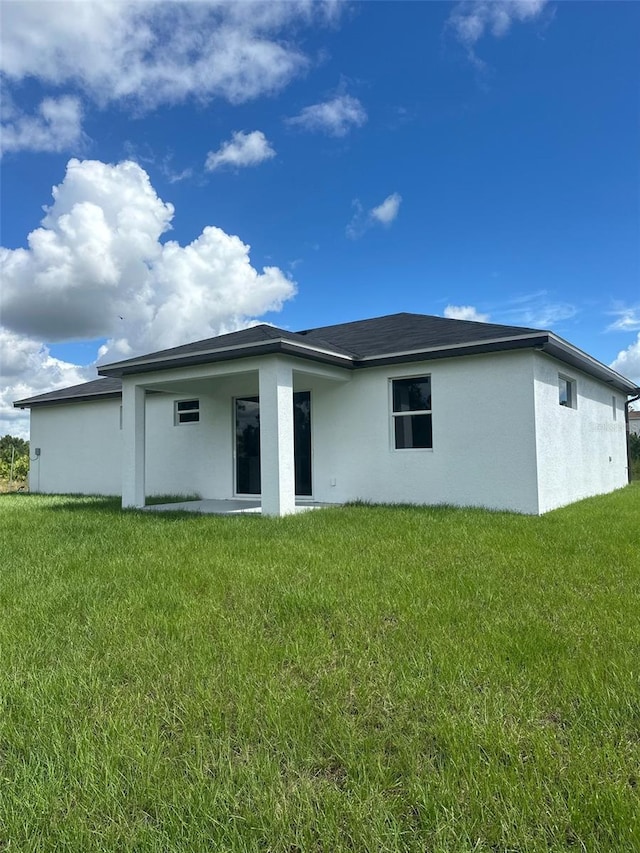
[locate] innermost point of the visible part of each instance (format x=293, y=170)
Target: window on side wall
x=186, y=412
x=567, y=392
x=411, y=413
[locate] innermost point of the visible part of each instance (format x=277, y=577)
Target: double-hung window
x=187, y=412
x=411, y=413
x=567, y=396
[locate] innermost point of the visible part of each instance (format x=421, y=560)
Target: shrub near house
x=634, y=453
x=16, y=449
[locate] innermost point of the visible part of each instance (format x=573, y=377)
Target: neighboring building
x=634, y=423
x=375, y=410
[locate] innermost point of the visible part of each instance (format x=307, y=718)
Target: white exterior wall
x=79, y=448
x=178, y=456
x=488, y=461
x=520, y=450
x=581, y=451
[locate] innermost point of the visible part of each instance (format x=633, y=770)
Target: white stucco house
x=374, y=410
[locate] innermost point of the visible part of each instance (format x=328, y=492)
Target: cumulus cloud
x=627, y=362
x=386, y=212
x=471, y=20
x=465, y=312
x=382, y=214
x=335, y=117
x=243, y=149
x=157, y=52
x=29, y=369
x=56, y=126
x=96, y=268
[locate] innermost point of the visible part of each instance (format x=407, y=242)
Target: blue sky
x=475, y=160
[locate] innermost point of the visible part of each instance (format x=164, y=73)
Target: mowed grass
x=353, y=679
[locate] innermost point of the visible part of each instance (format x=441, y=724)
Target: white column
x=277, y=471
x=133, y=434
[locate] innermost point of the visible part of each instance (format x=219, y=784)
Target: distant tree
x=16, y=450
x=634, y=446
x=7, y=442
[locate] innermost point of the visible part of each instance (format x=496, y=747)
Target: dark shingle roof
x=346, y=343
x=363, y=343
x=104, y=387
x=407, y=332
x=253, y=335
x=257, y=335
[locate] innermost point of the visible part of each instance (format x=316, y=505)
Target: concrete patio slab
x=225, y=507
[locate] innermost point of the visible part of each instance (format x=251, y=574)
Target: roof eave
x=567, y=353
x=277, y=346
x=455, y=350
x=34, y=403
x=546, y=342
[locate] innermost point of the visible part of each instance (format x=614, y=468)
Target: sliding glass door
x=247, y=446
x=247, y=426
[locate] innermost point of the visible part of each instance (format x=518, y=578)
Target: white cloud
x=29, y=369
x=383, y=214
x=335, y=117
x=465, y=312
x=471, y=20
x=157, y=52
x=386, y=212
x=56, y=126
x=627, y=362
x=243, y=149
x=548, y=314
x=537, y=310
x=628, y=319
x=96, y=268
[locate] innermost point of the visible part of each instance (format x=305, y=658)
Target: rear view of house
x=404, y=408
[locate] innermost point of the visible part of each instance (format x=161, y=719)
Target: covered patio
x=227, y=507
x=257, y=415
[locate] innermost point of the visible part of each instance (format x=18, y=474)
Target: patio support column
x=133, y=450
x=277, y=471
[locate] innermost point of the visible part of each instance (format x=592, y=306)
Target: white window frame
x=191, y=411
x=569, y=385
x=394, y=415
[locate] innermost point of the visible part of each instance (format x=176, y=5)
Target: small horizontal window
x=411, y=413
x=567, y=392
x=187, y=411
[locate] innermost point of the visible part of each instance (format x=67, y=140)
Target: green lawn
x=361, y=679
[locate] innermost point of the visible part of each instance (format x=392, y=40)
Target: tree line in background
x=14, y=450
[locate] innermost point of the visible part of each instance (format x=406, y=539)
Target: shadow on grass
x=112, y=507
x=73, y=502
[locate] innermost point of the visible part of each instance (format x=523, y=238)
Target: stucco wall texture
x=500, y=438
x=581, y=451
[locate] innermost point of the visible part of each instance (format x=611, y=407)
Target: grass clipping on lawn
x=362, y=679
